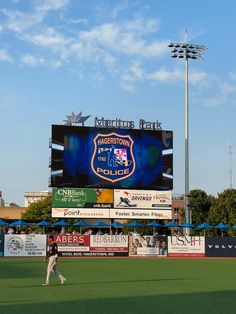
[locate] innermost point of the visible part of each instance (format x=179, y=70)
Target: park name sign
x=116, y=123
x=126, y=124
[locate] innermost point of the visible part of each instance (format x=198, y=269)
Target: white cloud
x=128, y=87
x=141, y=26
x=49, y=39
x=137, y=73
x=55, y=64
x=224, y=91
x=110, y=62
x=164, y=76
x=126, y=38
x=199, y=78
x=74, y=21
x=122, y=6
x=228, y=88
x=232, y=76
x=105, y=35
x=216, y=101
x=4, y=56
x=30, y=60
x=113, y=45
x=50, y=5
x=19, y=22
x=84, y=51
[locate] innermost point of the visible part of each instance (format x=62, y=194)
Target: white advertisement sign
x=144, y=199
x=117, y=244
x=147, y=245
x=80, y=213
x=25, y=245
x=102, y=241
x=186, y=246
x=140, y=213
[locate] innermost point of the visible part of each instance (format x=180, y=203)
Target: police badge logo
x=15, y=245
x=113, y=158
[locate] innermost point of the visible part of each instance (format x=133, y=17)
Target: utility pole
x=230, y=167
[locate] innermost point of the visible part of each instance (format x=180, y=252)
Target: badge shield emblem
x=113, y=158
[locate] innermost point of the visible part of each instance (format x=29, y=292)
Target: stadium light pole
x=186, y=51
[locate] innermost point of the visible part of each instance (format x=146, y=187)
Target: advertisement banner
x=140, y=213
x=85, y=198
x=186, y=246
x=69, y=245
x=109, y=243
x=220, y=247
x=1, y=245
x=148, y=245
x=144, y=199
x=80, y=213
x=25, y=245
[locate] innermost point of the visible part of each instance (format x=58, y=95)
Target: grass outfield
x=119, y=286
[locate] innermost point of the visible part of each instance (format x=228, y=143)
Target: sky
x=110, y=58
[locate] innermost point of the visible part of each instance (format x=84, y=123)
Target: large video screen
x=111, y=158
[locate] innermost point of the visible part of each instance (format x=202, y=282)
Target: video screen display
x=111, y=158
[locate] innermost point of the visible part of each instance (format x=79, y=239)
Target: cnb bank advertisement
x=186, y=246
x=82, y=198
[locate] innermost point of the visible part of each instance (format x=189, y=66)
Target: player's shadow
x=129, y=281
x=104, y=282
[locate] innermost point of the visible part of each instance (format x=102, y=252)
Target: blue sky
x=111, y=59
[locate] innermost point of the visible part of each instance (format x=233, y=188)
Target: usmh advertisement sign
x=186, y=246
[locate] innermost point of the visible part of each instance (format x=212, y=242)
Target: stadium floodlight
x=186, y=51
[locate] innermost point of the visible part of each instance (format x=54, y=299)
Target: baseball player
x=52, y=261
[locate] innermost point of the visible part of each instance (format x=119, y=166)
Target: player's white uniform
x=52, y=264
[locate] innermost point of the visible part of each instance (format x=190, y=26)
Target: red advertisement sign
x=68, y=245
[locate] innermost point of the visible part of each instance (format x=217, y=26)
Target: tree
x=199, y=205
x=224, y=208
x=39, y=210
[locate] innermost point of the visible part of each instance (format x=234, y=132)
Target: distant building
x=177, y=206
x=2, y=203
x=8, y=212
x=32, y=197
